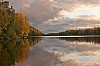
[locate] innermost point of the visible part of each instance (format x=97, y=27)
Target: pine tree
x=10, y=29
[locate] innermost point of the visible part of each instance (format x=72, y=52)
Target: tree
x=10, y=29
x=21, y=24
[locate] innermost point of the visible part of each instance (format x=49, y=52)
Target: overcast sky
x=60, y=15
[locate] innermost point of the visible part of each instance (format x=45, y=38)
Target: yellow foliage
x=21, y=24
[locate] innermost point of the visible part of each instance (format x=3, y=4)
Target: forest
x=78, y=32
x=14, y=24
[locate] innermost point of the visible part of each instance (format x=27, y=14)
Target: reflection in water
x=50, y=52
x=15, y=51
x=83, y=39
x=72, y=53
x=85, y=51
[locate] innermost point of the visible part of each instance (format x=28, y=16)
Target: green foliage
x=10, y=29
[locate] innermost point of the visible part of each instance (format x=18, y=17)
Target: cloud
x=66, y=24
x=26, y=5
x=71, y=5
x=37, y=10
x=51, y=7
x=89, y=17
x=89, y=2
x=40, y=12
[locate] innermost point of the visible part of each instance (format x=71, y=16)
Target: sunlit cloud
x=97, y=25
x=51, y=0
x=84, y=27
x=82, y=11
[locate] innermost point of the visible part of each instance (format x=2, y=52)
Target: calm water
x=51, y=52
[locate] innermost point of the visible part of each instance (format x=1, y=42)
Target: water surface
x=51, y=51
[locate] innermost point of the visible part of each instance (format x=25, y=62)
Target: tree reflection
x=83, y=39
x=34, y=41
x=22, y=51
x=15, y=51
x=7, y=53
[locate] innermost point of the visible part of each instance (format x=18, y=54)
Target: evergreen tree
x=10, y=29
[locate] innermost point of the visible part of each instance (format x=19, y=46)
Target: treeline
x=14, y=23
x=90, y=31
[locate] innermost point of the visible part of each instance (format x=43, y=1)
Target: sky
x=60, y=15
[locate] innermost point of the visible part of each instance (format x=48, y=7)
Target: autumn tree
x=12, y=24
x=21, y=24
x=4, y=15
